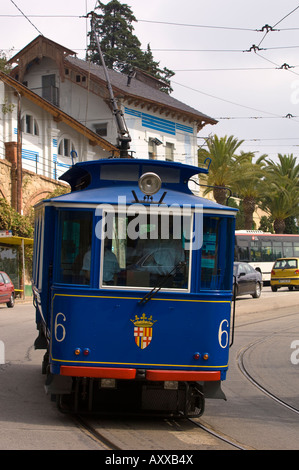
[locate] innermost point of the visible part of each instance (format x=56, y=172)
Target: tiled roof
x=138, y=89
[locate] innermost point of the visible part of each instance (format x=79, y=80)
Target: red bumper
x=152, y=375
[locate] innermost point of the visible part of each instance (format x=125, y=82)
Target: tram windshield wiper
x=159, y=286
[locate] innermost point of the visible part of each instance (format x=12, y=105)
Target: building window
x=50, y=91
x=152, y=149
x=65, y=147
x=29, y=125
x=169, y=152
x=101, y=128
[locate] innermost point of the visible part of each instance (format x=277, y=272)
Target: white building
x=36, y=139
x=159, y=125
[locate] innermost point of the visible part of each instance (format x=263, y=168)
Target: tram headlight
x=149, y=183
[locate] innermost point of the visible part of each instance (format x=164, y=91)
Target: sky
x=253, y=92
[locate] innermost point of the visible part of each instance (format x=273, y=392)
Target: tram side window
x=74, y=257
x=217, y=253
x=38, y=240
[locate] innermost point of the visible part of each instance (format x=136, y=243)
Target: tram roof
x=105, y=172
x=95, y=182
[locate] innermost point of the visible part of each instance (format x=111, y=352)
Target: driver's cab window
x=148, y=251
x=73, y=261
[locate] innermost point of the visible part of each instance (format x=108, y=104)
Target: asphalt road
x=265, y=331
x=29, y=420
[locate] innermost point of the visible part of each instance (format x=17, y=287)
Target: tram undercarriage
x=126, y=396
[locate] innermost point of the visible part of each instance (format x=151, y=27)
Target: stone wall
x=34, y=187
x=5, y=180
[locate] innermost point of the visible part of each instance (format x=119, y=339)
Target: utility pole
x=19, y=159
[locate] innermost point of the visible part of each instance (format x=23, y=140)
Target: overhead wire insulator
x=254, y=48
x=267, y=28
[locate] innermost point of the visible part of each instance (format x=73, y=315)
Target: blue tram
x=132, y=285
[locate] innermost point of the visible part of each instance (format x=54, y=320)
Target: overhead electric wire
x=269, y=115
x=198, y=25
x=274, y=63
x=267, y=32
x=27, y=18
x=225, y=100
x=236, y=69
x=227, y=50
x=7, y=15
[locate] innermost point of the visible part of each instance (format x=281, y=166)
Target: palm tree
x=280, y=205
x=281, y=194
x=221, y=151
x=247, y=183
x=287, y=166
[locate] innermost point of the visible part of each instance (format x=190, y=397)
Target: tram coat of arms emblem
x=143, y=330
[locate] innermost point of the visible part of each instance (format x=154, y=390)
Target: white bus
x=261, y=249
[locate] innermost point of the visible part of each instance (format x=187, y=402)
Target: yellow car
x=285, y=273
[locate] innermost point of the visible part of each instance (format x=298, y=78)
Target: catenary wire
x=267, y=32
x=27, y=18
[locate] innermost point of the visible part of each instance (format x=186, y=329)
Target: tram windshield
x=147, y=252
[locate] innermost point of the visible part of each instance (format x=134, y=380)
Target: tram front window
x=74, y=257
x=146, y=253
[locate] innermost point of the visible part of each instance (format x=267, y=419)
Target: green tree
x=280, y=197
x=291, y=226
x=120, y=47
x=222, y=152
x=3, y=63
x=247, y=183
x=10, y=219
x=266, y=224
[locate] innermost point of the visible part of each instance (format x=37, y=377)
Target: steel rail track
x=218, y=435
x=242, y=367
x=95, y=435
x=110, y=445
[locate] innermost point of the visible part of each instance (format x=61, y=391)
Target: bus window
x=216, y=262
x=242, y=250
x=255, y=251
x=287, y=249
x=266, y=251
x=73, y=260
x=296, y=250
x=277, y=249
